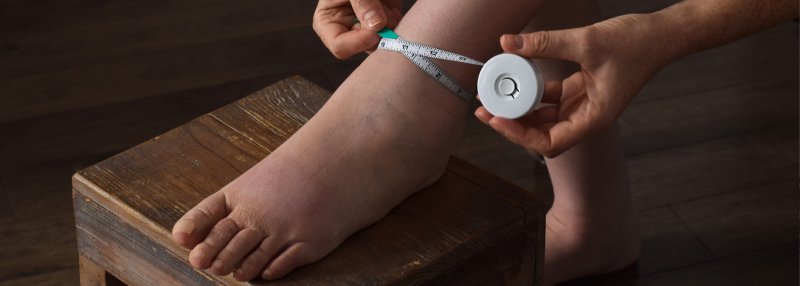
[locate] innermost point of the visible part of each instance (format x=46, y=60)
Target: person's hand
x=617, y=57
x=335, y=23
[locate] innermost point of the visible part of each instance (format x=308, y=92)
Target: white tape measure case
x=510, y=86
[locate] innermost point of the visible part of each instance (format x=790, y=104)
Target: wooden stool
x=469, y=228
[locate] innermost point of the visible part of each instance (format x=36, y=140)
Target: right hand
x=335, y=23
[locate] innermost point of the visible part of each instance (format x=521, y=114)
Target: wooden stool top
x=463, y=229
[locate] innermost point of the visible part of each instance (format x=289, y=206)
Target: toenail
x=267, y=273
x=199, y=254
x=217, y=264
x=184, y=226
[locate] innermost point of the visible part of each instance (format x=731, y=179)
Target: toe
x=243, y=243
x=295, y=256
x=256, y=261
x=195, y=225
x=203, y=254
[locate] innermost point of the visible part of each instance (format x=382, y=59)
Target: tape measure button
x=508, y=87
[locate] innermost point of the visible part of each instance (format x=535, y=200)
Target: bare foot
x=380, y=138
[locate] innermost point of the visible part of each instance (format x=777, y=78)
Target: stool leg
x=91, y=274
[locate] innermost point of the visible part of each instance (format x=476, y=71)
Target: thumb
x=562, y=45
x=370, y=12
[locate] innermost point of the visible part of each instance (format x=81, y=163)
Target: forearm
x=696, y=25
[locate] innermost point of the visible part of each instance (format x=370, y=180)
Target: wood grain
x=438, y=235
x=42, y=190
x=667, y=243
x=680, y=120
x=40, y=245
x=778, y=147
x=98, y=33
x=774, y=266
x=126, y=253
x=766, y=56
x=695, y=171
x=119, y=126
x=64, y=277
x=744, y=221
x=166, y=71
x=91, y=273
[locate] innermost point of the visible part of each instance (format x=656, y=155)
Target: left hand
x=617, y=57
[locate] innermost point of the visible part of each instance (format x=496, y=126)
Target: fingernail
x=198, y=253
x=240, y=272
x=217, y=264
x=517, y=43
x=267, y=273
x=513, y=42
x=372, y=18
x=184, y=226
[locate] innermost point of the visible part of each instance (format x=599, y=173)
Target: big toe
x=195, y=225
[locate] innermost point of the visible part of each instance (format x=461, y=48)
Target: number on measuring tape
x=418, y=54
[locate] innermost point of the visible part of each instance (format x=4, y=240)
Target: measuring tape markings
x=418, y=54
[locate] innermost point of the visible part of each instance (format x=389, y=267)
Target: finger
x=564, y=135
x=548, y=114
x=371, y=13
x=512, y=130
x=552, y=92
x=483, y=115
x=344, y=43
x=562, y=44
x=391, y=18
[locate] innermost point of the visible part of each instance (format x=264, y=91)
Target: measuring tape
x=510, y=86
x=419, y=54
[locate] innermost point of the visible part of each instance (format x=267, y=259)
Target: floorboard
x=38, y=245
x=667, y=243
x=46, y=189
x=166, y=71
x=765, y=56
x=64, y=277
x=774, y=266
x=778, y=147
x=67, y=40
x=119, y=126
x=712, y=139
x=694, y=171
x=655, y=125
x=744, y=221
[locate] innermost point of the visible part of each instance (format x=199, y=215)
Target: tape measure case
x=510, y=86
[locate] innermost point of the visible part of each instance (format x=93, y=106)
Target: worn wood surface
x=470, y=227
x=68, y=46
x=696, y=171
x=744, y=221
x=91, y=273
x=667, y=243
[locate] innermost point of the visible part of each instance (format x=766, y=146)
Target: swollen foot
x=381, y=137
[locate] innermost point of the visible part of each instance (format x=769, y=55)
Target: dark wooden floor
x=712, y=140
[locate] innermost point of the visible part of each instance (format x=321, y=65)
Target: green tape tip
x=385, y=32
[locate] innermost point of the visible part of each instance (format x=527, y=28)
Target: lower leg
x=384, y=134
x=592, y=226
